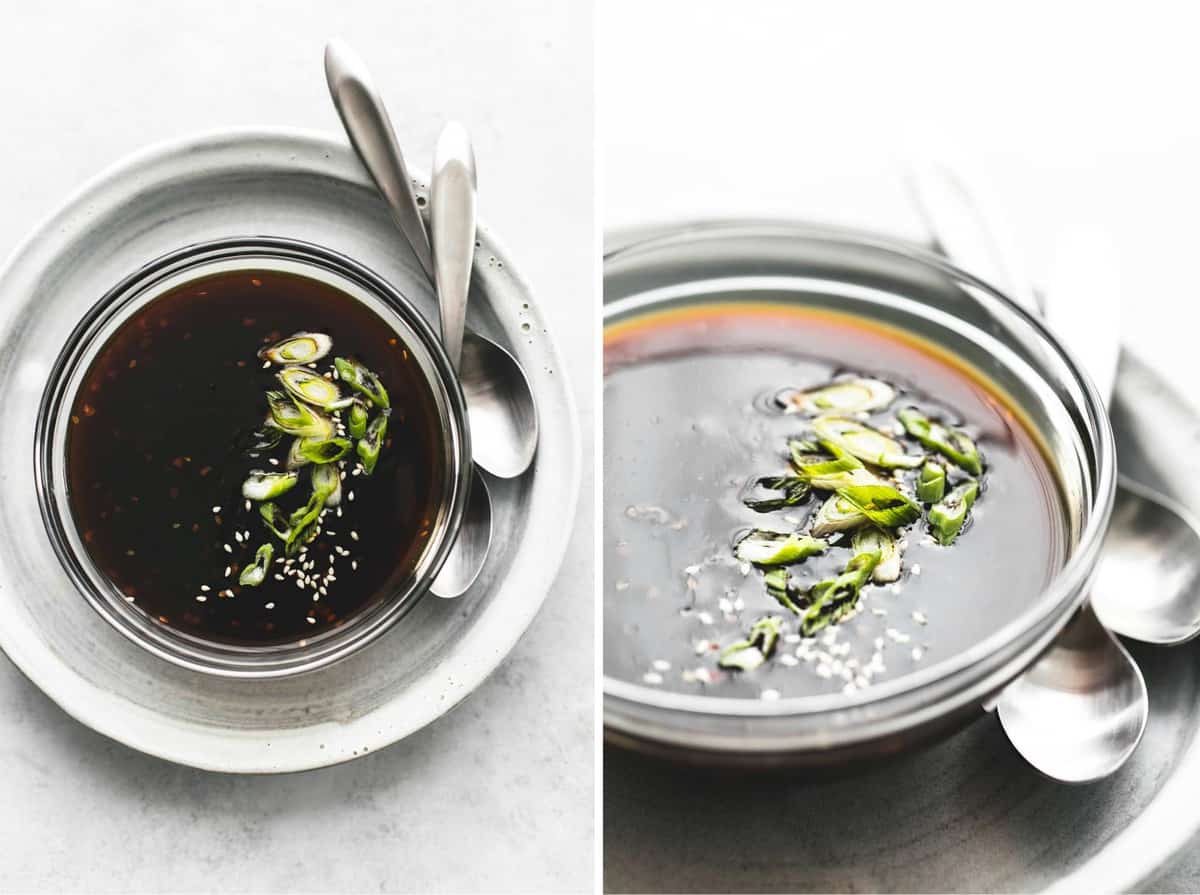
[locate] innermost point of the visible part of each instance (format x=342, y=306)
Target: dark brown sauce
x=690, y=422
x=159, y=436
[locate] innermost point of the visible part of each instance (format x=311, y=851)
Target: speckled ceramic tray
x=965, y=815
x=307, y=187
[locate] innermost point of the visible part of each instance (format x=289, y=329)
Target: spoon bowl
x=1079, y=712
x=1151, y=541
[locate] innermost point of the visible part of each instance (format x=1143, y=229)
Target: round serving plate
x=300, y=186
x=965, y=815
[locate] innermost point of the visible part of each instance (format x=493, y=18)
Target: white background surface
x=1067, y=114
x=496, y=796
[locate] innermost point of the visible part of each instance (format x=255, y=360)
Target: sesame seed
x=354, y=536
x=247, y=506
x=354, y=564
x=339, y=512
x=200, y=598
x=237, y=536
x=273, y=461
x=269, y=606
x=311, y=620
x=216, y=509
x=350, y=496
x=205, y=588
x=228, y=549
x=266, y=365
x=228, y=571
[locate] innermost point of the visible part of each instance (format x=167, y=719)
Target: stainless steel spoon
x=370, y=131
x=500, y=406
x=1079, y=711
x=452, y=222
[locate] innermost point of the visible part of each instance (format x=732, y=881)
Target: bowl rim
x=921, y=695
x=112, y=311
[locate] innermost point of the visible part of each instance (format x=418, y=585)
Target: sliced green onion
x=301, y=348
x=295, y=459
x=867, y=444
x=948, y=516
x=361, y=380
x=266, y=437
x=829, y=475
x=794, y=489
x=882, y=504
x=931, y=484
x=953, y=444
x=847, y=396
x=327, y=482
x=837, y=514
x=276, y=520
x=323, y=450
x=748, y=654
x=295, y=418
x=835, y=598
x=777, y=581
x=357, y=419
x=371, y=443
x=254, y=574
x=304, y=522
x=261, y=485
x=876, y=540
x=773, y=548
x=308, y=386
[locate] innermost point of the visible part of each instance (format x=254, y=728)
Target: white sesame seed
x=339, y=512
x=311, y=620
x=247, y=506
x=205, y=588
x=228, y=549
x=354, y=564
x=300, y=583
x=278, y=577
x=216, y=510
x=228, y=571
x=266, y=365
x=237, y=536
x=273, y=461
x=269, y=606
x=770, y=695
x=354, y=536
x=350, y=496
x=652, y=677
x=200, y=598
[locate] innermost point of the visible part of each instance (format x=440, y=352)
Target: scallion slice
x=296, y=418
x=260, y=485
x=301, y=348
x=323, y=450
x=307, y=386
x=255, y=573
x=953, y=444
x=847, y=396
x=948, y=516
x=772, y=548
x=371, y=443
x=833, y=599
x=362, y=381
x=882, y=504
x=867, y=444
x=875, y=540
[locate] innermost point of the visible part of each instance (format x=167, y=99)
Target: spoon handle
x=452, y=223
x=366, y=121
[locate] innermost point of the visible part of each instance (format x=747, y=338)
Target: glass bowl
x=108, y=315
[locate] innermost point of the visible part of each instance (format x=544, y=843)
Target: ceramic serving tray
x=301, y=186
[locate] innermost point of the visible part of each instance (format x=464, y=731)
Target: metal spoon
x=1079, y=711
x=500, y=405
x=452, y=220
